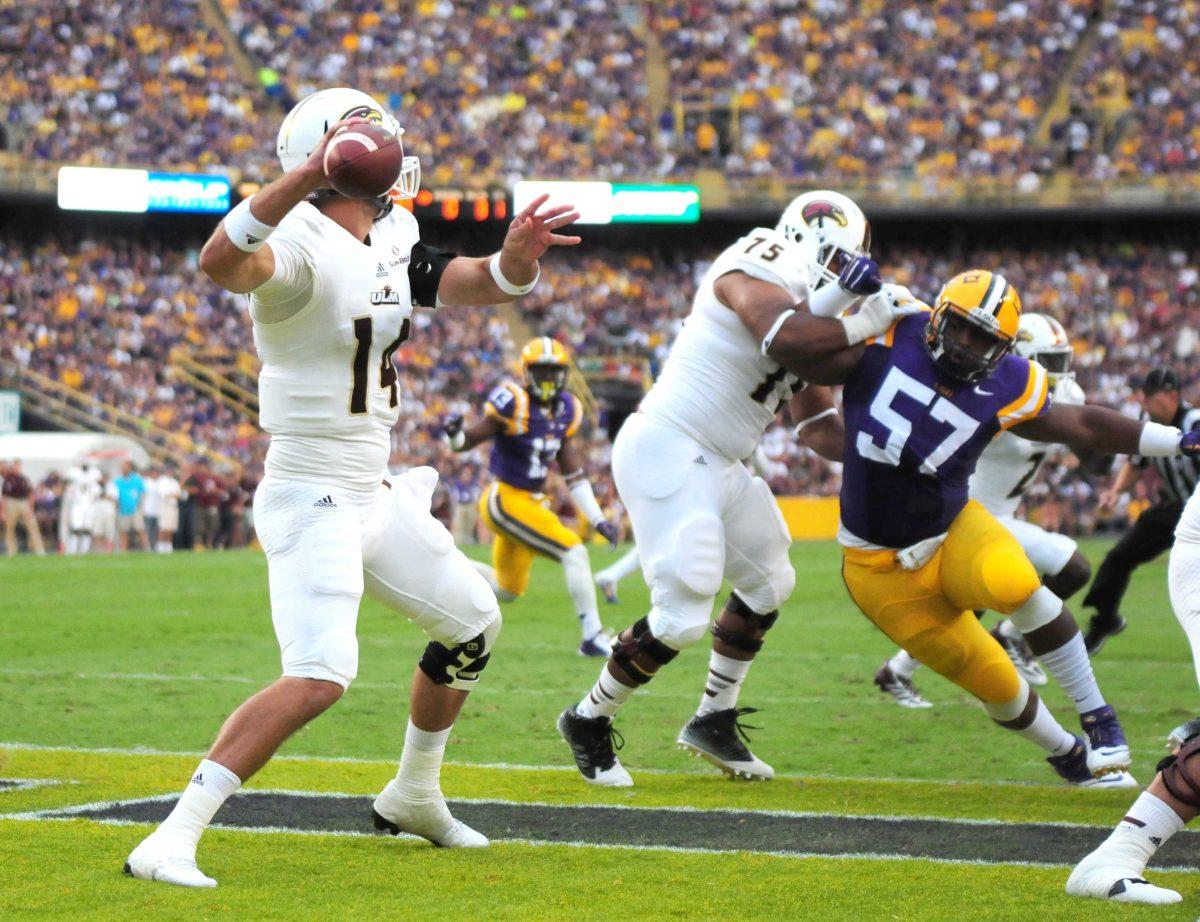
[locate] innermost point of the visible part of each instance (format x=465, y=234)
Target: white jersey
x=717, y=386
x=1009, y=463
x=327, y=389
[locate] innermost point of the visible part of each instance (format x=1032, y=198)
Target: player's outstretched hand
x=609, y=531
x=860, y=276
x=453, y=430
x=1189, y=443
x=532, y=232
x=879, y=311
x=314, y=166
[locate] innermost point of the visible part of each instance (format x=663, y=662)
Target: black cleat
x=592, y=743
x=1100, y=628
x=721, y=739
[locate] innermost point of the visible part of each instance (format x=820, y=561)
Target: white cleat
x=1110, y=781
x=607, y=587
x=1094, y=877
x=430, y=820
x=168, y=862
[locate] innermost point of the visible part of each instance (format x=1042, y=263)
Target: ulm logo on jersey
x=817, y=212
x=385, y=295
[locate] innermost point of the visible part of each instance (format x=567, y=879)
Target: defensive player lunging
x=1005, y=470
x=332, y=282
x=922, y=401
x=531, y=425
x=698, y=515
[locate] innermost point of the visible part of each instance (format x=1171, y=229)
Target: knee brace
x=1181, y=773
x=625, y=653
x=748, y=635
x=459, y=666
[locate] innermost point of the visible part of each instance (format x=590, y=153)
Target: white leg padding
x=756, y=544
x=1038, y=610
x=314, y=562
x=577, y=570
x=411, y=565
x=1183, y=580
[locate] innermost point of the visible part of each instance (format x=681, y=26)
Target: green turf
x=89, y=646
x=154, y=652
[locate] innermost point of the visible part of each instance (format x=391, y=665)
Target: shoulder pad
x=766, y=254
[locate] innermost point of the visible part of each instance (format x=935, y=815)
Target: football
x=363, y=160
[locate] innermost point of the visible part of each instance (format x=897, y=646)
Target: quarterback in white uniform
x=331, y=283
x=699, y=516
x=1005, y=471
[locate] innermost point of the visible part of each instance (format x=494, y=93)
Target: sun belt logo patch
x=817, y=212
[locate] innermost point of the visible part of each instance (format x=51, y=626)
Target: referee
x=1154, y=530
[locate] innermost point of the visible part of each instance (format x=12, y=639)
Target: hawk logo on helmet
x=817, y=212
x=367, y=112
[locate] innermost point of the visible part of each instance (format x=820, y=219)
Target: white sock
x=627, y=564
x=419, y=774
x=1145, y=828
x=725, y=677
x=578, y=572
x=904, y=664
x=1048, y=733
x=606, y=696
x=210, y=787
x=1072, y=670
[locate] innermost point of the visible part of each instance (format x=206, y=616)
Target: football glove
x=860, y=276
x=453, y=430
x=1189, y=443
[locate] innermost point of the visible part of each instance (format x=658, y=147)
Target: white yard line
x=517, y=767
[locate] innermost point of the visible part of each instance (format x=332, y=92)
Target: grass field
x=115, y=673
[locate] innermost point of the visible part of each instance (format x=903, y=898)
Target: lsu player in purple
x=531, y=426
x=922, y=400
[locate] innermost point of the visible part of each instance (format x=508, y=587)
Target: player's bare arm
x=819, y=425
x=463, y=438
x=513, y=271
x=570, y=462
x=1099, y=428
x=240, y=270
x=1124, y=480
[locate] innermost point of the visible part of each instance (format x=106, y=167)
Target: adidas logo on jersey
x=325, y=502
x=699, y=459
x=381, y=272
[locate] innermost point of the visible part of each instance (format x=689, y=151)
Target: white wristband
x=805, y=423
x=774, y=331
x=510, y=288
x=1158, y=441
x=830, y=300
x=458, y=440
x=585, y=501
x=245, y=231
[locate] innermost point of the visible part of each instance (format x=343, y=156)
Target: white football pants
x=698, y=518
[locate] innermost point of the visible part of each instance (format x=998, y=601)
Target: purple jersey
x=913, y=436
x=532, y=436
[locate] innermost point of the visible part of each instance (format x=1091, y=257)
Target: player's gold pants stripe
x=518, y=530
x=929, y=611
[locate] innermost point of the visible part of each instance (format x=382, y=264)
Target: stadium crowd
x=866, y=93
x=102, y=318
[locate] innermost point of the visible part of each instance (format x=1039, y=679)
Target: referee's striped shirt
x=1179, y=475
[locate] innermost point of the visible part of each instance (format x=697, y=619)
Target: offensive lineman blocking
x=698, y=514
x=330, y=295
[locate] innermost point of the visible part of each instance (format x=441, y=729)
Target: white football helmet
x=311, y=117
x=1042, y=339
x=831, y=227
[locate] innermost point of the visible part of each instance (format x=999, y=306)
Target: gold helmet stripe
x=994, y=296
